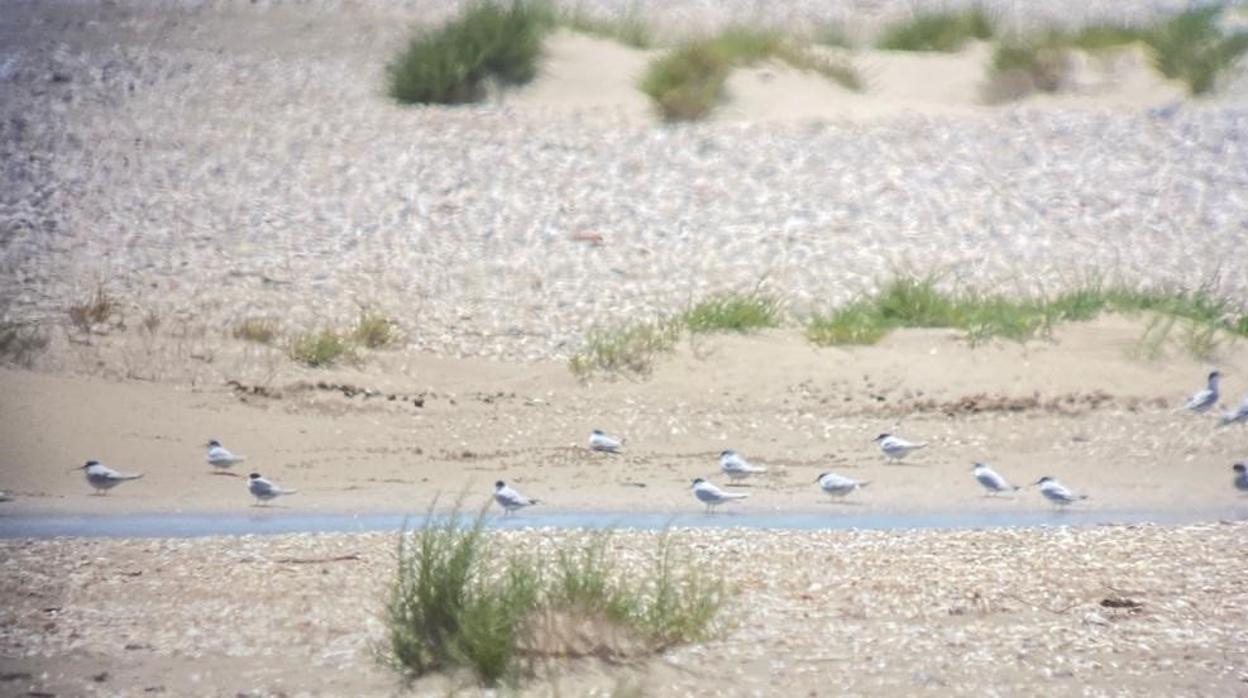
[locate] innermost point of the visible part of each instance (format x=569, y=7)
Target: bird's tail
x=756, y=469
x=1082, y=497
x=736, y=495
x=535, y=501
x=287, y=491
x=1015, y=487
x=863, y=484
x=921, y=444
x=132, y=476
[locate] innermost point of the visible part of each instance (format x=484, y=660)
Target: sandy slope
x=1078, y=408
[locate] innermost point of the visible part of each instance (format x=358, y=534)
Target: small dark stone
x=419, y=402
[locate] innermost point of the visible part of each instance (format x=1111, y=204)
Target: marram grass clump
x=908, y=301
x=459, y=600
x=687, y=82
x=321, y=348
x=451, y=64
x=945, y=32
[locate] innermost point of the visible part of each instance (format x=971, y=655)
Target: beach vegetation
x=734, y=312
x=687, y=82
x=374, y=330
x=460, y=600
x=488, y=41
x=945, y=32
x=912, y=301
x=99, y=311
x=629, y=28
x=1193, y=48
x=256, y=329
x=321, y=348
x=21, y=343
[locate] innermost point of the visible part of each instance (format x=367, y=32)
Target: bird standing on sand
x=263, y=490
x=736, y=467
x=896, y=447
x=1204, y=400
x=991, y=480
x=838, y=485
x=220, y=458
x=1055, y=492
x=1237, y=416
x=599, y=441
x=712, y=496
x=510, y=500
x=104, y=478
x=1241, y=476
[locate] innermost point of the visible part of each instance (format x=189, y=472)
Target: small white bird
x=839, y=485
x=712, y=496
x=1055, y=492
x=104, y=478
x=219, y=457
x=599, y=441
x=896, y=447
x=736, y=467
x=991, y=480
x=511, y=500
x=1241, y=476
x=1204, y=400
x=263, y=490
x=1237, y=416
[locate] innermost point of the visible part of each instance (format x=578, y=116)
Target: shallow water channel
x=270, y=521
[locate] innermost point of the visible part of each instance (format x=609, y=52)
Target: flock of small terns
x=735, y=467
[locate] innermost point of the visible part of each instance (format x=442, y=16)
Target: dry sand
x=1000, y=612
x=1078, y=407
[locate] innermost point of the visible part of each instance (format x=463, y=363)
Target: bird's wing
x=510, y=497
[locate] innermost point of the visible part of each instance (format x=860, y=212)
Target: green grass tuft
x=258, y=330
x=1095, y=38
x=629, y=29
x=856, y=323
x=374, y=330
x=321, y=349
x=1021, y=66
x=628, y=349
x=733, y=313
x=921, y=302
x=1192, y=48
x=460, y=601
x=946, y=32
x=449, y=65
x=687, y=82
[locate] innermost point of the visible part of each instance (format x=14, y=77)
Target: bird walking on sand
x=896, y=447
x=838, y=485
x=1237, y=416
x=1241, y=476
x=599, y=441
x=220, y=458
x=510, y=500
x=1057, y=493
x=712, y=496
x=736, y=467
x=263, y=490
x=104, y=478
x=991, y=480
x=1203, y=401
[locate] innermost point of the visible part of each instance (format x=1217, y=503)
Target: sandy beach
x=204, y=165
